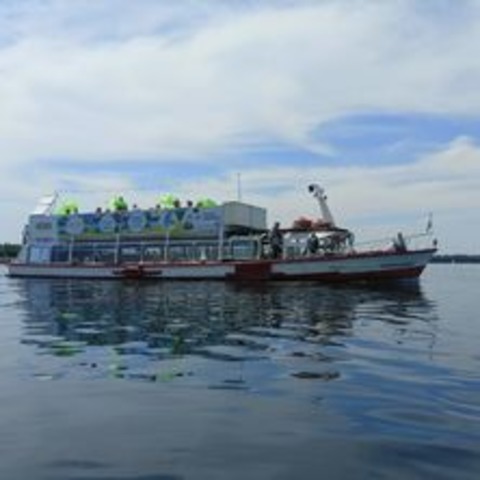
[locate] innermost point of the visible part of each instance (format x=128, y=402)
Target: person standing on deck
x=276, y=241
x=312, y=244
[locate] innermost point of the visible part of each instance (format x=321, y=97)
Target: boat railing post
x=167, y=246
x=116, y=253
x=70, y=249
x=221, y=233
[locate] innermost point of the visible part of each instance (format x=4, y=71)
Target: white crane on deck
x=319, y=193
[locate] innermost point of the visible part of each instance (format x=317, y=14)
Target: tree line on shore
x=457, y=258
x=9, y=250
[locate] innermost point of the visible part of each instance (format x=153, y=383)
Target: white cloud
x=270, y=72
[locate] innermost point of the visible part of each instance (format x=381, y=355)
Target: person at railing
x=25, y=235
x=68, y=208
x=399, y=244
x=275, y=238
x=119, y=204
x=312, y=244
x=206, y=203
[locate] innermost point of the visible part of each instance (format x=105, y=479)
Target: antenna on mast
x=239, y=187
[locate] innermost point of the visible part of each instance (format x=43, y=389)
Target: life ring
x=107, y=224
x=137, y=221
x=75, y=225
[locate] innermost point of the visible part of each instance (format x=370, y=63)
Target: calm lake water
x=171, y=381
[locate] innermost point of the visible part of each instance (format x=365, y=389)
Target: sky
x=376, y=100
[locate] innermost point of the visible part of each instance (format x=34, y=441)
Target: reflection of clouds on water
x=285, y=328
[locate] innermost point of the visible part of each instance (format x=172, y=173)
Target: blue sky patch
x=367, y=139
x=384, y=139
x=142, y=173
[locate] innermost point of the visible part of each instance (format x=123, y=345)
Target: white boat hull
x=359, y=266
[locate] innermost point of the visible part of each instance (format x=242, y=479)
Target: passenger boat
x=229, y=241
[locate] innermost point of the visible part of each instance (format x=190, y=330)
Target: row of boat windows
x=98, y=253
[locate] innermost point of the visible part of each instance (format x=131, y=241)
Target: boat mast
x=319, y=193
x=239, y=187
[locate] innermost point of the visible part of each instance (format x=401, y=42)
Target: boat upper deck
x=154, y=223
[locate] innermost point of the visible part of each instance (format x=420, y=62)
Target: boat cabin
x=232, y=231
x=229, y=231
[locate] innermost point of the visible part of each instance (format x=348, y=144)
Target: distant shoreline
x=458, y=258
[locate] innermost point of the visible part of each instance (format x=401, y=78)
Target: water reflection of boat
x=226, y=321
x=228, y=242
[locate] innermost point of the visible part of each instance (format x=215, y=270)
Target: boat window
x=60, y=254
x=83, y=253
x=243, y=249
x=130, y=253
x=104, y=254
x=177, y=253
x=39, y=254
x=206, y=251
x=153, y=253
x=294, y=251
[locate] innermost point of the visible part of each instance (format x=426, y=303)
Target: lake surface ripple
x=210, y=380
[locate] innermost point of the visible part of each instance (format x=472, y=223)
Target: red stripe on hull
x=372, y=276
